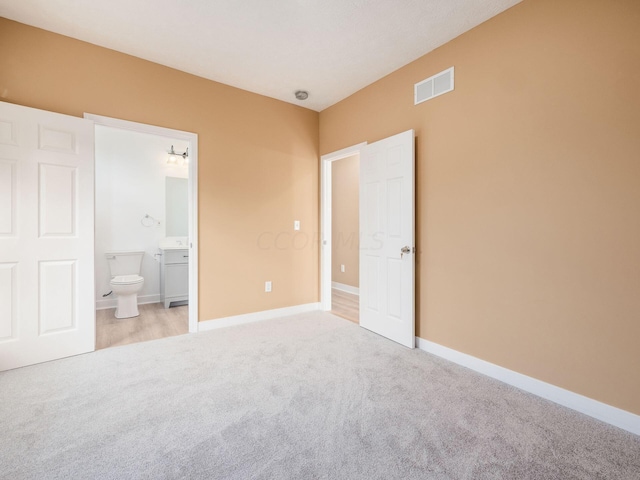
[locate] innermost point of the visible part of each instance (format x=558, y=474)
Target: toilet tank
x=124, y=263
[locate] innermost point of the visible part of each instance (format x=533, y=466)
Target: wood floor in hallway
x=345, y=305
x=154, y=322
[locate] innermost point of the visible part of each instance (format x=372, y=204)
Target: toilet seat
x=126, y=280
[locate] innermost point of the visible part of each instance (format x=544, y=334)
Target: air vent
x=433, y=86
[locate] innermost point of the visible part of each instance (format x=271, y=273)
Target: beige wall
x=528, y=181
x=528, y=191
x=258, y=159
x=345, y=224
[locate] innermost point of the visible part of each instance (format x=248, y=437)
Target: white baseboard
x=345, y=288
x=111, y=301
x=256, y=316
x=606, y=413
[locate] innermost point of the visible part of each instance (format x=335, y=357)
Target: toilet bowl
x=126, y=288
x=126, y=281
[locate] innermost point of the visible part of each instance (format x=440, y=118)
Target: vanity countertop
x=174, y=244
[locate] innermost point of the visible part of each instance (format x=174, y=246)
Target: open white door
x=387, y=268
x=46, y=236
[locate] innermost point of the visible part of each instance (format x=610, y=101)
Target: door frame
x=192, y=138
x=325, y=219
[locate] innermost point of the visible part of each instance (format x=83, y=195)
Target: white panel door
x=387, y=268
x=47, y=308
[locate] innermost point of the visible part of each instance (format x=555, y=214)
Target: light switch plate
x=296, y=225
x=342, y=268
x=267, y=286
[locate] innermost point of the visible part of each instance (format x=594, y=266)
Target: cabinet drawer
x=176, y=256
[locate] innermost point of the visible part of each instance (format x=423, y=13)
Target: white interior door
x=387, y=268
x=46, y=236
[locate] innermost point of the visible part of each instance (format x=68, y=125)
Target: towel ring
x=148, y=221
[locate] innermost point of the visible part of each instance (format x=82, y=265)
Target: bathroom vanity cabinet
x=174, y=276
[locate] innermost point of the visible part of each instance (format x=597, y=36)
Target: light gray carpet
x=305, y=397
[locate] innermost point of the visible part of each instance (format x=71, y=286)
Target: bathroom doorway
x=146, y=207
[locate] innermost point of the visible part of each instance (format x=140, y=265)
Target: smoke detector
x=302, y=94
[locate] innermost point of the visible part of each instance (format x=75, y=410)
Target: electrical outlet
x=296, y=225
x=342, y=268
x=267, y=286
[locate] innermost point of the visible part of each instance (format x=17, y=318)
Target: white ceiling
x=332, y=48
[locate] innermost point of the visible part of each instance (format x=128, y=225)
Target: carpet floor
x=310, y=396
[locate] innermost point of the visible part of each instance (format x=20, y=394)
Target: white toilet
x=126, y=281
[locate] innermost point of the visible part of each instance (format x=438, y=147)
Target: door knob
x=404, y=250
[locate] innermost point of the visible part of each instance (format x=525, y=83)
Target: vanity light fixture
x=176, y=158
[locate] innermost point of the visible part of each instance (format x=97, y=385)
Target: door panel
x=387, y=292
x=7, y=197
x=8, y=132
x=57, y=291
x=8, y=298
x=56, y=140
x=47, y=307
x=57, y=200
